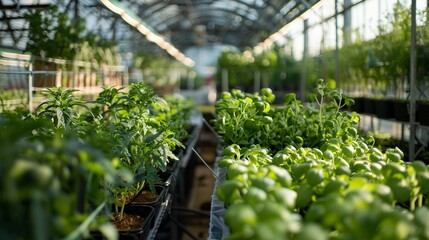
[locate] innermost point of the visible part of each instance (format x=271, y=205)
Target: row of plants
x=374, y=68
x=72, y=169
x=162, y=73
x=304, y=171
x=383, y=70
x=277, y=69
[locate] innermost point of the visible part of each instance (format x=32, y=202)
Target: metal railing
x=21, y=81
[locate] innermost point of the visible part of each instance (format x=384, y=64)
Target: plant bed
x=313, y=176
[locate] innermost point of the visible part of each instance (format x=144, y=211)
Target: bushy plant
x=51, y=184
x=64, y=165
x=316, y=175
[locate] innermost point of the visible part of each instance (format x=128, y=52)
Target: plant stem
x=420, y=200
x=413, y=204
x=122, y=209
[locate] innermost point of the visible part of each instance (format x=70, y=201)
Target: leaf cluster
x=65, y=165
x=326, y=182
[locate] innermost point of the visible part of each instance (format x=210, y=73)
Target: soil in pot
x=148, y=198
x=129, y=222
x=135, y=224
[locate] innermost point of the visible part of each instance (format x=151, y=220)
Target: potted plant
x=143, y=142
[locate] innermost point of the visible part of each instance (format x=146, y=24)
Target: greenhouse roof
x=13, y=28
x=183, y=23
x=241, y=23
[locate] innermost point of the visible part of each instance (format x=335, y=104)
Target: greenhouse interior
x=214, y=119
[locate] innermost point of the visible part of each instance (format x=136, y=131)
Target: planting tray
x=140, y=234
x=168, y=179
x=160, y=217
x=217, y=228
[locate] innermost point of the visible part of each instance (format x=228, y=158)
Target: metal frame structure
x=184, y=23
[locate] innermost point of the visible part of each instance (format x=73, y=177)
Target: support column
x=304, y=63
x=337, y=54
x=30, y=87
x=413, y=89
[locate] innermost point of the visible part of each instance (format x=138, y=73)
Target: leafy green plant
x=244, y=118
x=247, y=119
x=140, y=135
x=62, y=107
x=51, y=28
x=65, y=165
x=321, y=175
x=41, y=178
x=178, y=116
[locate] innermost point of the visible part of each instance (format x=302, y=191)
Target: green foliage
x=63, y=167
x=41, y=180
x=141, y=131
x=54, y=29
x=274, y=65
x=247, y=119
x=240, y=115
x=61, y=106
x=53, y=34
x=382, y=65
x=313, y=171
x=155, y=69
